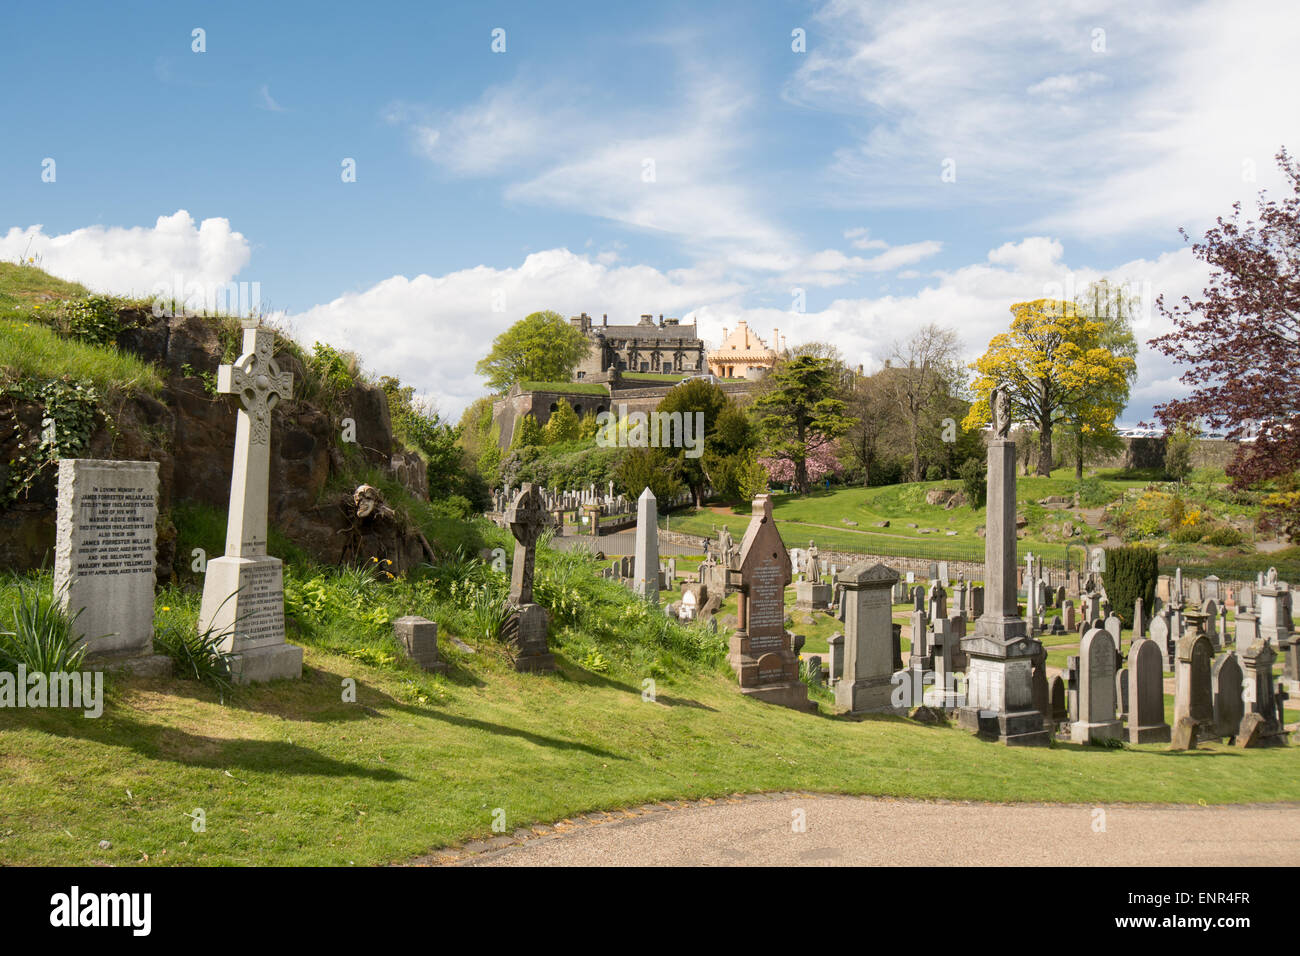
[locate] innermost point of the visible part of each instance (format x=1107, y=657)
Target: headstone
x=1210, y=588
x=1259, y=699
x=1229, y=708
x=1121, y=693
x=527, y=518
x=1146, y=694
x=1115, y=628
x=1072, y=687
x=1096, y=690
x=1193, y=693
x=866, y=686
x=1160, y=636
x=1192, y=594
x=104, y=555
x=1139, y=620
x=977, y=602
x=814, y=665
x=418, y=638
x=1001, y=652
x=761, y=648
x=1068, y=614
x=836, y=644
x=1210, y=610
x=1246, y=630
x=243, y=591
x=1060, y=712
x=645, y=580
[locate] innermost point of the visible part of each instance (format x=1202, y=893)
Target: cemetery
x=330, y=665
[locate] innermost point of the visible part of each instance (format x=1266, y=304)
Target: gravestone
x=1260, y=703
x=645, y=580
x=1072, y=687
x=418, y=638
x=1146, y=694
x=1121, y=693
x=1229, y=707
x=836, y=644
x=1210, y=611
x=1210, y=588
x=1068, y=613
x=1114, y=627
x=866, y=684
x=1193, y=692
x=999, y=677
x=1160, y=636
x=1060, y=711
x=1096, y=690
x=977, y=602
x=1139, y=620
x=243, y=591
x=527, y=518
x=104, y=554
x=761, y=651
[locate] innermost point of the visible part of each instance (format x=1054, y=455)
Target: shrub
x=1092, y=492
x=1130, y=574
x=43, y=639
x=1223, y=536
x=197, y=655
x=974, y=480
x=93, y=319
x=934, y=473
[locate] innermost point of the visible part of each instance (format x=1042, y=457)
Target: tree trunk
x=1045, y=448
x=1078, y=459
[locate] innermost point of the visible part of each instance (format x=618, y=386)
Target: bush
x=1223, y=537
x=1130, y=574
x=974, y=480
x=1092, y=492
x=1187, y=534
x=934, y=473
x=197, y=656
x=42, y=639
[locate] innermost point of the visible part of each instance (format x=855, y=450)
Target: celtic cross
x=527, y=518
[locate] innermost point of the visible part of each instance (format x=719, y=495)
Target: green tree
x=801, y=412
x=1130, y=574
x=642, y=468
x=562, y=426
x=540, y=347
x=528, y=433
x=727, y=431
x=1178, y=451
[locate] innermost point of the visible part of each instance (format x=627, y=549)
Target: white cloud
x=1146, y=130
x=267, y=101
x=134, y=260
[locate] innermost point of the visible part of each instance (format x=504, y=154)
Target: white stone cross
x=260, y=384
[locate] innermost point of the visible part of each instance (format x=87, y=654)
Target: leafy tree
x=540, y=347
x=1240, y=342
x=588, y=427
x=875, y=420
x=528, y=433
x=974, y=479
x=1178, y=451
x=801, y=412
x=1131, y=573
x=416, y=424
x=642, y=468
x=686, y=400
x=1055, y=366
x=923, y=369
x=563, y=425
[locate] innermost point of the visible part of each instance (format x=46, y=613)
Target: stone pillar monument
x=866, y=684
x=243, y=592
x=645, y=576
x=999, y=678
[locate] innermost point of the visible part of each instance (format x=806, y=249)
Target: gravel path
x=761, y=830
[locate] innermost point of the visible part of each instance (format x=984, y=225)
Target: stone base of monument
x=530, y=639
x=1084, y=733
x=262, y=664
x=872, y=696
x=772, y=677
x=1154, y=734
x=999, y=684
x=811, y=597
x=135, y=663
x=243, y=601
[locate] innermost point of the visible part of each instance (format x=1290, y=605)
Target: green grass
x=293, y=774
x=655, y=377
x=30, y=351
x=24, y=288
x=570, y=388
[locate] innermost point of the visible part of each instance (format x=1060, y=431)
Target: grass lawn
x=290, y=774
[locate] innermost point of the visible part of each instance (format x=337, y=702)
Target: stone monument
x=645, y=579
x=865, y=685
x=527, y=518
x=243, y=591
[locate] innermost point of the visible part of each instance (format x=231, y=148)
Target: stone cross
x=260, y=384
x=527, y=520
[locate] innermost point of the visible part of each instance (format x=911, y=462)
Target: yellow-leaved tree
x=1056, y=367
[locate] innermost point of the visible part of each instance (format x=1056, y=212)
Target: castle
x=667, y=347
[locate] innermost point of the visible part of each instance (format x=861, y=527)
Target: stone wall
x=191, y=434
x=1150, y=453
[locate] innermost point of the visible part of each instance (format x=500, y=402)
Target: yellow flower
x=375, y=560
x=165, y=608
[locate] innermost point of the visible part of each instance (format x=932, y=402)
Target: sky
x=405, y=180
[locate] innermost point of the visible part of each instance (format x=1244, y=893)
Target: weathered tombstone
x=814, y=665
x=1146, y=694
x=1164, y=588
x=243, y=591
x=1229, y=708
x=999, y=676
x=836, y=644
x=1245, y=598
x=1210, y=610
x=1096, y=690
x=645, y=579
x=1114, y=627
x=1068, y=613
x=1160, y=635
x=761, y=647
x=866, y=685
x=527, y=518
x=104, y=555
x=977, y=602
x=943, y=574
x=1210, y=588
x=418, y=638
x=1260, y=702
x=1193, y=693
x=1043, y=692
x=1139, y=620
x=1060, y=712
x=896, y=638
x=1121, y=693
x=1193, y=592
x=1072, y=687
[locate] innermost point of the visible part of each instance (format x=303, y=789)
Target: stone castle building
x=666, y=347
x=743, y=354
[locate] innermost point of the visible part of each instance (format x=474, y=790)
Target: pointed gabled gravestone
x=645, y=579
x=761, y=648
x=243, y=591
x=527, y=518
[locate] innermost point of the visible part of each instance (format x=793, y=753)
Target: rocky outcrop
x=190, y=431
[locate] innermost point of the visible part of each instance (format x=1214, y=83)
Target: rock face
x=190, y=432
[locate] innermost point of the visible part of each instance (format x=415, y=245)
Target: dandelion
x=165, y=608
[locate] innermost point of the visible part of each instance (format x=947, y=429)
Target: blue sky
x=682, y=159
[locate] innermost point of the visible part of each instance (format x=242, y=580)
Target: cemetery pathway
x=761, y=830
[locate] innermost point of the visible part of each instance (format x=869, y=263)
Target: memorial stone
x=1146, y=694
